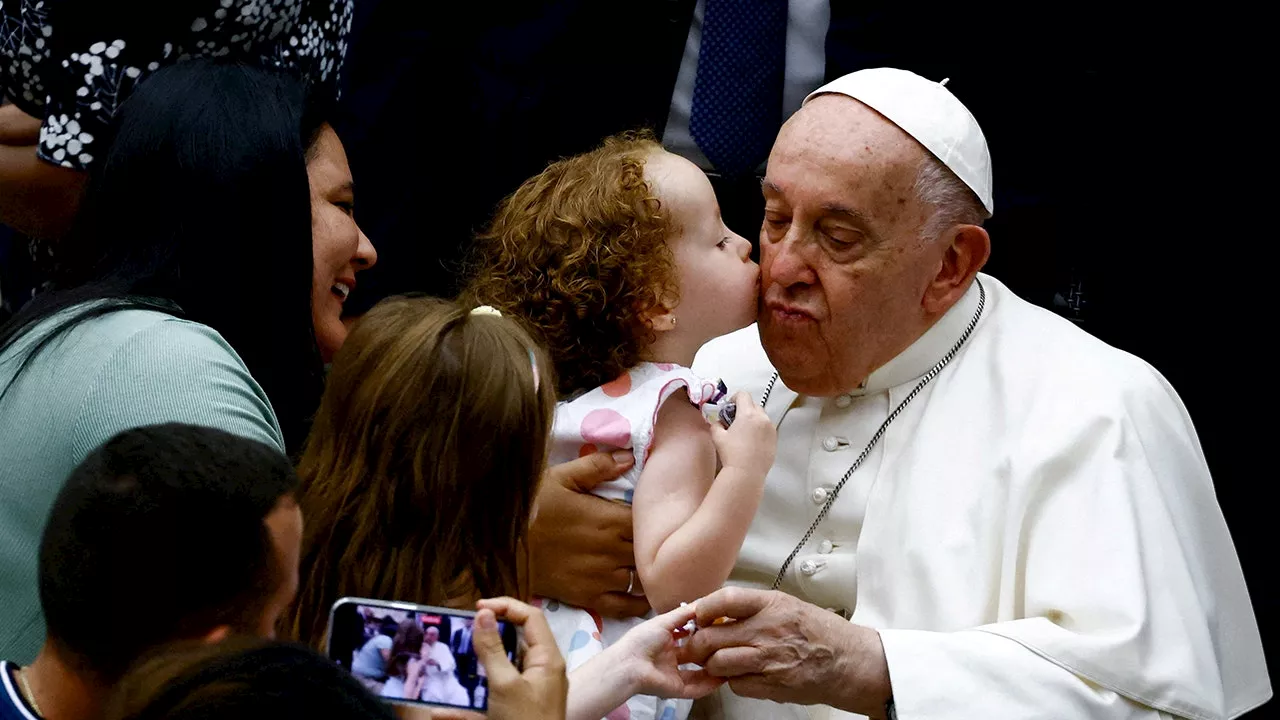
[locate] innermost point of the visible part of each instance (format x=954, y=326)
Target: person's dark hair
x=405, y=646
x=241, y=679
x=169, y=518
x=201, y=208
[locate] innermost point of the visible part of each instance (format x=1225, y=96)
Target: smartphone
x=418, y=654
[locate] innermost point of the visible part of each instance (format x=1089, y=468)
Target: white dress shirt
x=1036, y=535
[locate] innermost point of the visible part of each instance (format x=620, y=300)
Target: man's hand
x=783, y=649
x=582, y=544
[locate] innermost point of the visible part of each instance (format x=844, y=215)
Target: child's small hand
x=749, y=444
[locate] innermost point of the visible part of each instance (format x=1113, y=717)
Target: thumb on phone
x=487, y=643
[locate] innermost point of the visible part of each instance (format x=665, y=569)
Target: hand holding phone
x=418, y=654
x=540, y=691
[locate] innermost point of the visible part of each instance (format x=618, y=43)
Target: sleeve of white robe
x=1121, y=566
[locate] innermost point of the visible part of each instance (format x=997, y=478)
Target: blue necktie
x=737, y=96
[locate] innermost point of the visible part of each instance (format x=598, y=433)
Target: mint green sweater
x=122, y=370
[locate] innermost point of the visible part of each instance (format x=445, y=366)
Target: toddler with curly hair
x=617, y=260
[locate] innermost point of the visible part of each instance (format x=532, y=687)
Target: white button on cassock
x=843, y=401
x=819, y=495
x=830, y=444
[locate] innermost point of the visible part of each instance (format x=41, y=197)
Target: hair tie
x=533, y=359
x=533, y=364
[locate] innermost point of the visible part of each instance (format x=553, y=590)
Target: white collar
x=927, y=350
x=15, y=695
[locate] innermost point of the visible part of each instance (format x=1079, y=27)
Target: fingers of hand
x=718, y=436
x=676, y=619
x=578, y=578
x=753, y=424
x=756, y=419
x=585, y=473
x=732, y=602
x=734, y=661
x=698, y=683
x=487, y=643
x=709, y=640
x=689, y=654
x=580, y=517
x=531, y=618
x=505, y=607
x=542, y=649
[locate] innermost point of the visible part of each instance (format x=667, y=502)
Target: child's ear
x=659, y=318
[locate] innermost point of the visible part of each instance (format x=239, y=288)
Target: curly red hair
x=578, y=254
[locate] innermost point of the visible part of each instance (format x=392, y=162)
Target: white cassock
x=441, y=684
x=1036, y=536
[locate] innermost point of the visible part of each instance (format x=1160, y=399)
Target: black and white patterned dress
x=73, y=62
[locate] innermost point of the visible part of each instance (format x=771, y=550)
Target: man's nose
x=785, y=262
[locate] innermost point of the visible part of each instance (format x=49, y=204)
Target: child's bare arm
x=689, y=520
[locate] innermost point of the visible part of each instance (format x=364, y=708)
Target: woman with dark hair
x=404, y=676
x=206, y=276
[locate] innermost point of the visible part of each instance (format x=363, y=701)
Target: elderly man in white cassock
x=977, y=510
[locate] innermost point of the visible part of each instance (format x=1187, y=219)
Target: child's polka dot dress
x=618, y=415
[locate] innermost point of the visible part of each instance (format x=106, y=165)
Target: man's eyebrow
x=853, y=214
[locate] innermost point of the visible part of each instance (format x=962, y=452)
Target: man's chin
x=796, y=360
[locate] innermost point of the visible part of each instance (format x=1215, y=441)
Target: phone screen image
x=412, y=653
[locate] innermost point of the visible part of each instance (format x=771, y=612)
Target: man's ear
x=967, y=250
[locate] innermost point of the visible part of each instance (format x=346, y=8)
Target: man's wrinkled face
x=843, y=267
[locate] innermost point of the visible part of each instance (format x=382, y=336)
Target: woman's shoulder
x=141, y=367
x=160, y=329
x=132, y=331
x=167, y=369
